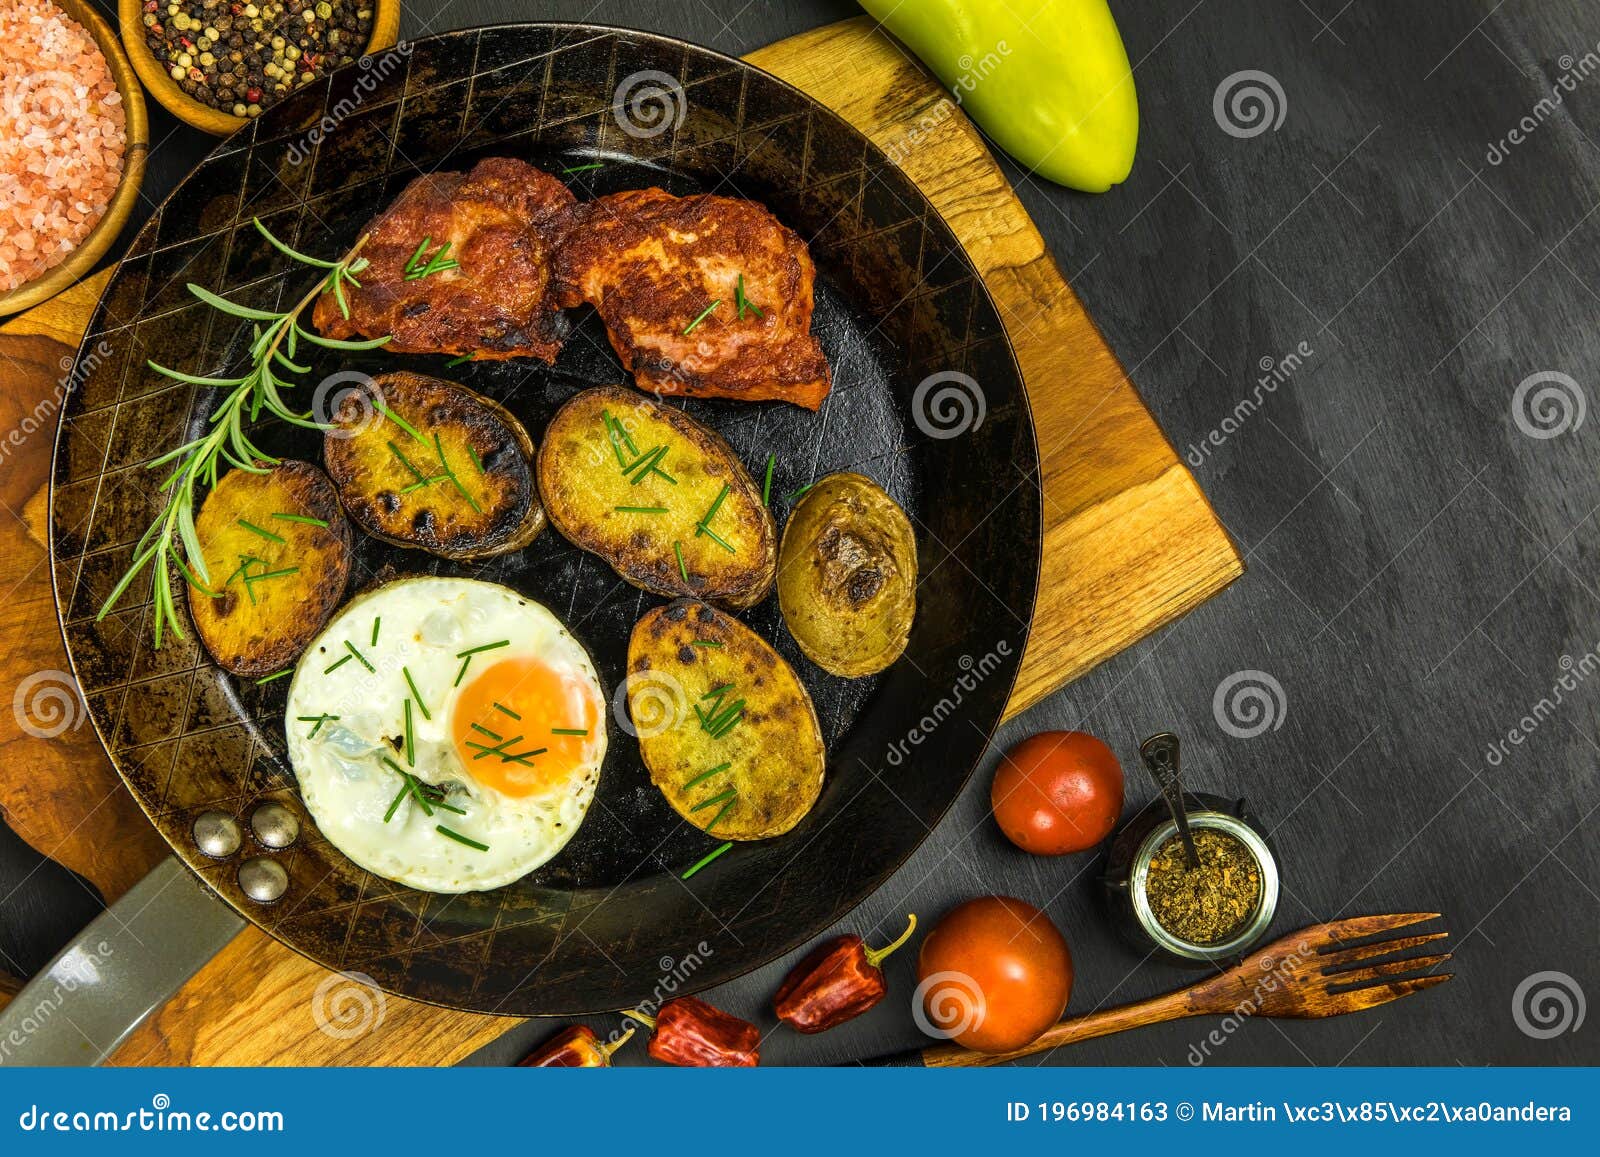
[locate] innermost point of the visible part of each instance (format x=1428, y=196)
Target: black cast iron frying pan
x=927, y=400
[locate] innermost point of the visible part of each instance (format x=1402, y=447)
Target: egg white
x=422, y=626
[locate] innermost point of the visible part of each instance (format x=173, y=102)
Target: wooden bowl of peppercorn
x=215, y=64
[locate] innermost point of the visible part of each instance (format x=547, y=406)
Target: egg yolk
x=522, y=726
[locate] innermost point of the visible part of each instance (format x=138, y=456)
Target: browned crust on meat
x=503, y=220
x=652, y=263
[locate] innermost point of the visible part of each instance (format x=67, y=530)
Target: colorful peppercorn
x=837, y=981
x=690, y=1032
x=242, y=58
x=574, y=1048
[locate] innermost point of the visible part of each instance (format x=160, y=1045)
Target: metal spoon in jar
x=1160, y=755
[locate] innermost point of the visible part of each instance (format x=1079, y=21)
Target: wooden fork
x=1309, y=973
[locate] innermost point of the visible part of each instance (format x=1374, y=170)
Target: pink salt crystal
x=61, y=138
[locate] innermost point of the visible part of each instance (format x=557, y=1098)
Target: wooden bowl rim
x=136, y=131
x=385, y=34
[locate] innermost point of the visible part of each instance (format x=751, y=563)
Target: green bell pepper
x=1048, y=80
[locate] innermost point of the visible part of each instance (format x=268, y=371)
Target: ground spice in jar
x=1208, y=904
x=242, y=58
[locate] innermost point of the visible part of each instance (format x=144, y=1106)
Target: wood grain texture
x=1130, y=544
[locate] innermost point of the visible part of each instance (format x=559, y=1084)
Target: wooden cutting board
x=1130, y=544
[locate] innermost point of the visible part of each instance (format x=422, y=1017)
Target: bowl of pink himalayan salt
x=73, y=139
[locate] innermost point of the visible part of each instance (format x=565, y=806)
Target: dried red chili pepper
x=688, y=1031
x=837, y=981
x=574, y=1048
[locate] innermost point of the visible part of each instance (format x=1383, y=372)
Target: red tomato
x=1058, y=792
x=994, y=973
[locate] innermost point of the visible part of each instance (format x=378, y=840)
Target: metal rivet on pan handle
x=217, y=834
x=263, y=880
x=275, y=825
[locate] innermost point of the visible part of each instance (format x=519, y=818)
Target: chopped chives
x=411, y=741
x=351, y=647
x=451, y=474
x=271, y=574
x=406, y=462
x=506, y=710
x=715, y=537
x=415, y=785
x=640, y=509
x=717, y=819
x=584, y=168
x=725, y=793
x=337, y=664
x=717, y=690
x=706, y=860
x=462, y=673
x=569, y=731
x=376, y=623
x=318, y=720
x=797, y=493
x=377, y=404
x=307, y=519
x=677, y=549
x=416, y=254
x=274, y=678
x=254, y=529
x=415, y=694
x=766, y=485
x=494, y=735
x=476, y=461
x=705, y=775
x=742, y=300
x=705, y=313
x=716, y=505
x=458, y=361
x=706, y=643
x=449, y=807
x=459, y=838
x=484, y=647
x=394, y=804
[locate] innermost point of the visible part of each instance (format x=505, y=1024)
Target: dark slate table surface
x=1416, y=499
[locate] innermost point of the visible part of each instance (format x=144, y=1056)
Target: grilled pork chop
x=501, y=221
x=704, y=296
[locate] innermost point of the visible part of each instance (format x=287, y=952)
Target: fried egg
x=446, y=733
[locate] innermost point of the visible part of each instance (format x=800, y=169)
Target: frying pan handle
x=119, y=969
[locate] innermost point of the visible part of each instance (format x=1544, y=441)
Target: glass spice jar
x=1204, y=918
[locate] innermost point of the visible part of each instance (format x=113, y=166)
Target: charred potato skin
x=255, y=639
x=776, y=751
x=371, y=479
x=582, y=484
x=847, y=576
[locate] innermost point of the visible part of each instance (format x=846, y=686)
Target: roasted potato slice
x=727, y=730
x=277, y=553
x=431, y=465
x=847, y=576
x=660, y=497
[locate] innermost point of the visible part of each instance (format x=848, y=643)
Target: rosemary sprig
x=171, y=542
